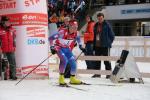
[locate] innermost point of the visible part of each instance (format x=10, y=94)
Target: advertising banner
x=29, y=17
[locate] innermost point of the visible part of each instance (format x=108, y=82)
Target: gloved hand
x=53, y=51
x=82, y=49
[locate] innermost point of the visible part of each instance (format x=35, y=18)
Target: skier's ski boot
x=62, y=80
x=74, y=80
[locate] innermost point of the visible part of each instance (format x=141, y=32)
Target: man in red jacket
x=7, y=39
x=88, y=40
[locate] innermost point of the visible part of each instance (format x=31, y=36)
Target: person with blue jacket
x=103, y=39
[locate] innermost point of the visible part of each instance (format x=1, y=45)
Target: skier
x=62, y=43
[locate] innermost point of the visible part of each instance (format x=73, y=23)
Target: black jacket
x=107, y=35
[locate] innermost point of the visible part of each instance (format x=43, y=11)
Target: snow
x=47, y=90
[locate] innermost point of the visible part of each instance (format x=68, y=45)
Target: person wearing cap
x=88, y=40
x=8, y=45
x=62, y=44
x=103, y=39
x=65, y=24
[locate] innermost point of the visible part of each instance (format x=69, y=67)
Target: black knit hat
x=4, y=18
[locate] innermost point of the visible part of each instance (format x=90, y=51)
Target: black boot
x=96, y=76
x=107, y=76
x=132, y=80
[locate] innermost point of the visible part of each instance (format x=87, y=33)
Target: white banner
x=29, y=17
x=132, y=11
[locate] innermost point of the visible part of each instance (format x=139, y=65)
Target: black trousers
x=89, y=52
x=12, y=63
x=102, y=51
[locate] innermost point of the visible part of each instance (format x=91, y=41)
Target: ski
x=69, y=86
x=107, y=84
x=82, y=83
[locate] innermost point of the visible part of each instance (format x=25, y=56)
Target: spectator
x=51, y=9
x=59, y=7
x=88, y=40
x=65, y=24
x=52, y=25
x=7, y=38
x=71, y=6
x=65, y=4
x=103, y=38
x=66, y=21
x=61, y=18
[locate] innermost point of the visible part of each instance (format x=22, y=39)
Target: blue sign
x=35, y=41
x=135, y=11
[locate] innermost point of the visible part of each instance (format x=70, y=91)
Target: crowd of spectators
x=59, y=9
x=77, y=9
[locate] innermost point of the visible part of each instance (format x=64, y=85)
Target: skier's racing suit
x=63, y=42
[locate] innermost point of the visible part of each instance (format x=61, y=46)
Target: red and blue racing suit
x=64, y=42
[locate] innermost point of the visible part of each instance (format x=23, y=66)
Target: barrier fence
x=139, y=47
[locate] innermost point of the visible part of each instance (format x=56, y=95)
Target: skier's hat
x=73, y=23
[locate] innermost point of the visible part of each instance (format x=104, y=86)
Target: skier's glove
x=53, y=51
x=82, y=49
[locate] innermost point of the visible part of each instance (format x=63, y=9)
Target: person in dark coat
x=103, y=39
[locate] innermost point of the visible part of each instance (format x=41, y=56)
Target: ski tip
x=63, y=85
x=83, y=83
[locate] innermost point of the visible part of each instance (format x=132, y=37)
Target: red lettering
x=27, y=3
x=7, y=5
x=14, y=5
x=31, y=2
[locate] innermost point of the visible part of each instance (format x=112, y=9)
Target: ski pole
x=79, y=56
x=33, y=70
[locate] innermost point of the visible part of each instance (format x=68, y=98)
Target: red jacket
x=89, y=34
x=7, y=39
x=69, y=39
